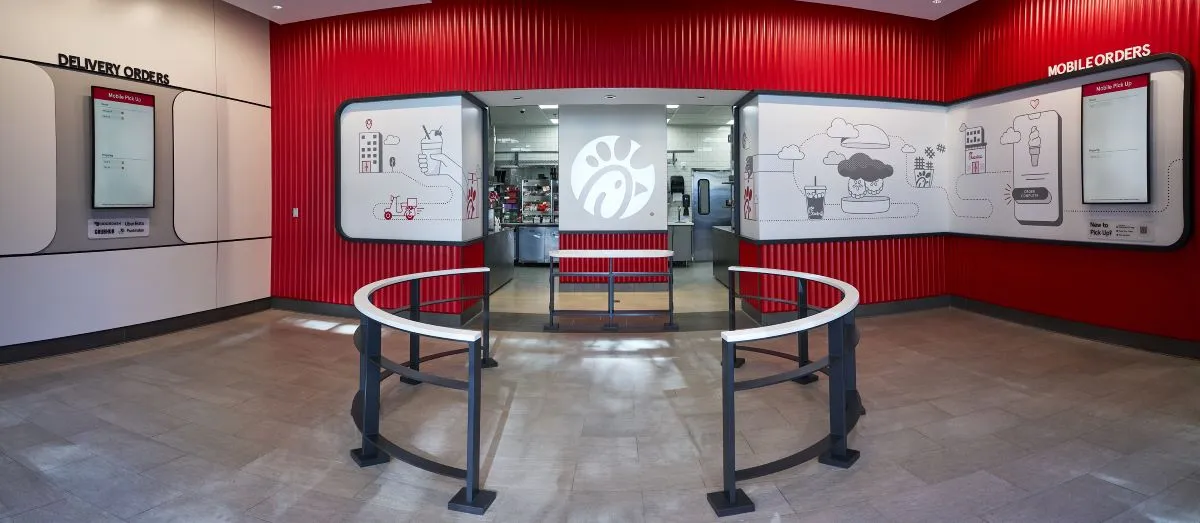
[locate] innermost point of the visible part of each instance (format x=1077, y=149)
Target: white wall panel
x=244, y=170
x=195, y=141
x=243, y=271
x=243, y=55
x=62, y=295
x=27, y=158
x=174, y=37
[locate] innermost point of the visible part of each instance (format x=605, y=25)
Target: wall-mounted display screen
x=123, y=149
x=1116, y=140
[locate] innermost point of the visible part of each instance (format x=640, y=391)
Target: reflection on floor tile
x=970, y=419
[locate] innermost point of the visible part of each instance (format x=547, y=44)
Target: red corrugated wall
x=997, y=43
x=523, y=44
x=604, y=241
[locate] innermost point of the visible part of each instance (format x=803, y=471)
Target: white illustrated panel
x=402, y=170
x=195, y=158
x=1018, y=165
x=475, y=198
x=28, y=159
x=826, y=168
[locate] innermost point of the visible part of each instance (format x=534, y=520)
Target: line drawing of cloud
x=391, y=139
x=791, y=152
x=833, y=158
x=962, y=127
x=869, y=137
x=862, y=167
x=840, y=128
x=1010, y=136
x=908, y=149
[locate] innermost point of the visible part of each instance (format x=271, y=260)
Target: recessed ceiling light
x=544, y=107
x=937, y=1
x=276, y=7
x=609, y=96
x=729, y=122
x=554, y=121
x=673, y=106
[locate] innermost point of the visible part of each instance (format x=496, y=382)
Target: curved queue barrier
x=845, y=405
x=374, y=368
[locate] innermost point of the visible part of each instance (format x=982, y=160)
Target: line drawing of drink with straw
x=431, y=146
x=816, y=200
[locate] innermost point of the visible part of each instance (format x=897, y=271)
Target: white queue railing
x=374, y=368
x=845, y=406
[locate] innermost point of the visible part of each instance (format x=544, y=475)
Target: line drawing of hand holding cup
x=431, y=159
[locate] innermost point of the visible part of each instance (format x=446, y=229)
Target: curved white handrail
x=849, y=301
x=362, y=302
x=611, y=253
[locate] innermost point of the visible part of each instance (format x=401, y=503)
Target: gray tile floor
x=970, y=419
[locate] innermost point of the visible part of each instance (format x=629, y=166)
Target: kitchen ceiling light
x=729, y=122
x=554, y=121
x=609, y=96
x=701, y=97
x=276, y=7
x=516, y=98
x=673, y=106
x=544, y=107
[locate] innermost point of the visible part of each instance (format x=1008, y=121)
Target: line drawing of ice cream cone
x=1035, y=145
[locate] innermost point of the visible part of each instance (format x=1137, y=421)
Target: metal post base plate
x=805, y=380
x=483, y=500
x=367, y=461
x=841, y=462
x=489, y=363
x=719, y=501
x=671, y=326
x=550, y=327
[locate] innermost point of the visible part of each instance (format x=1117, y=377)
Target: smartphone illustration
x=1037, y=169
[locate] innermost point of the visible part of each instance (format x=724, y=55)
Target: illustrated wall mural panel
x=1007, y=165
x=405, y=172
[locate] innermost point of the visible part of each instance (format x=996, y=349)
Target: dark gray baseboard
x=1137, y=340
x=94, y=340
x=348, y=311
x=619, y=287
x=863, y=311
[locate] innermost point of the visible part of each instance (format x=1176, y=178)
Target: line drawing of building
x=976, y=149
x=368, y=152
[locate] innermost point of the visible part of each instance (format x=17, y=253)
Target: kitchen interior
x=524, y=187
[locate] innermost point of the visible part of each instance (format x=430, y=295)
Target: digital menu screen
x=1116, y=141
x=123, y=149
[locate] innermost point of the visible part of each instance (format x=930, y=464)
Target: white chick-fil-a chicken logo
x=605, y=181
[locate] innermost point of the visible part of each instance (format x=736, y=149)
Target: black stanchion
x=671, y=325
x=733, y=276
x=368, y=387
x=553, y=325
x=612, y=297
x=838, y=455
x=802, y=336
x=730, y=500
x=488, y=362
x=470, y=498
x=414, y=340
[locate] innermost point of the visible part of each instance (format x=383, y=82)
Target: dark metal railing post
x=368, y=386
x=470, y=498
x=414, y=340
x=488, y=362
x=612, y=295
x=838, y=455
x=730, y=500
x=802, y=336
x=733, y=280
x=552, y=326
x=851, y=356
x=671, y=293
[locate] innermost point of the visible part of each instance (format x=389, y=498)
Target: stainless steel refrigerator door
x=711, y=207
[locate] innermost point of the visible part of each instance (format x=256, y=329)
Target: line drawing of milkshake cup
x=815, y=194
x=1035, y=145
x=431, y=145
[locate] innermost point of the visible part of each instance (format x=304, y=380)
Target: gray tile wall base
x=93, y=340
x=348, y=311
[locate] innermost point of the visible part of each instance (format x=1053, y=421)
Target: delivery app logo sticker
x=605, y=180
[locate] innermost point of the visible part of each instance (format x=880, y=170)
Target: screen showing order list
x=123, y=145
x=1116, y=141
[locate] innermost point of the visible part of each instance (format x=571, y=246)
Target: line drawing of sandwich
x=1035, y=145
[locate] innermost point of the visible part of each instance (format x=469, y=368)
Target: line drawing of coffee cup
x=815, y=194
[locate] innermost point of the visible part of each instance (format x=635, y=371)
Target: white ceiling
x=299, y=10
